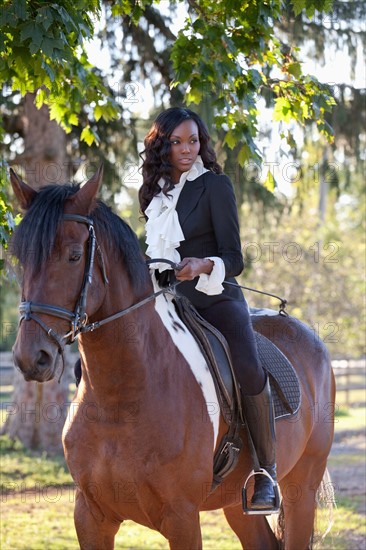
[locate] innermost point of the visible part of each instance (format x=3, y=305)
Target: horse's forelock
x=34, y=239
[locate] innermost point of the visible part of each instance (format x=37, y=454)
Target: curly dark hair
x=156, y=156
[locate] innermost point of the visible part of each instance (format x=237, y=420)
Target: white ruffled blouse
x=164, y=233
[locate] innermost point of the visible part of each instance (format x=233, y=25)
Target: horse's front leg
x=94, y=531
x=182, y=530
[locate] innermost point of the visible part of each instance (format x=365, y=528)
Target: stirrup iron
x=263, y=511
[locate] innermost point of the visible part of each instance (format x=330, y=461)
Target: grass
x=38, y=496
x=348, y=528
x=6, y=394
x=22, y=467
x=43, y=524
x=37, y=502
x=346, y=458
x=353, y=397
x=37, y=525
x=350, y=419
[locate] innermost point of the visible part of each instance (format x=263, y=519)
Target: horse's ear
x=23, y=192
x=82, y=201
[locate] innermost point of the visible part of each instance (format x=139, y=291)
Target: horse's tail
x=325, y=504
x=325, y=500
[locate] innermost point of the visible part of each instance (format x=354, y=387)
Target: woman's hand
x=192, y=268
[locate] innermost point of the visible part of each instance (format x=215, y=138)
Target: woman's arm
x=225, y=222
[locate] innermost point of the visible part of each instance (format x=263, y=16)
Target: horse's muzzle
x=36, y=364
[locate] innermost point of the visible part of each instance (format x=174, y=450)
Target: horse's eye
x=74, y=256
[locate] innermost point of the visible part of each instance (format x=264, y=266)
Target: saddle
x=283, y=380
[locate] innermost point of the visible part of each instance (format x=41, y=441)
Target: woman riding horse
x=142, y=431
x=191, y=214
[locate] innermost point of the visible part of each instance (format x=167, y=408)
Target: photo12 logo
x=291, y=252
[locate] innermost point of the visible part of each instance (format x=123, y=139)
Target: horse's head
x=54, y=245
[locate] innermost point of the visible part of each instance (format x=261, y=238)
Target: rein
x=283, y=302
x=169, y=289
x=177, y=267
x=97, y=324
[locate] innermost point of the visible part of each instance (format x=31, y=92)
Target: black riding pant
x=232, y=319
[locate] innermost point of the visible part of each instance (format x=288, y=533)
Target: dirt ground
x=347, y=469
x=350, y=479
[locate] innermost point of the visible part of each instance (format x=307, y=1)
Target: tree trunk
x=323, y=189
x=37, y=412
x=45, y=158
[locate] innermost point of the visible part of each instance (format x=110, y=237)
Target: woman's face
x=185, y=146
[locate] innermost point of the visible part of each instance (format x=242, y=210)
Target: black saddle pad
x=284, y=381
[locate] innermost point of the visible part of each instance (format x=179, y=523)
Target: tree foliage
x=42, y=52
x=320, y=38
x=7, y=218
x=227, y=50
x=225, y=55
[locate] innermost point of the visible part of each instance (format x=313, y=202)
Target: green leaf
x=31, y=30
x=70, y=24
x=295, y=69
x=244, y=155
x=37, y=38
x=270, y=183
x=57, y=111
x=48, y=68
x=310, y=11
x=298, y=6
x=255, y=77
x=40, y=97
x=48, y=46
x=282, y=110
x=194, y=94
x=328, y=4
x=73, y=119
x=98, y=112
x=325, y=129
x=89, y=136
x=230, y=139
x=20, y=9
x=45, y=17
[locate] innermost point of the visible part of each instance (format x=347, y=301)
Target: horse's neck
x=116, y=356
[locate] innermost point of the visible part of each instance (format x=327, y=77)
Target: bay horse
x=145, y=423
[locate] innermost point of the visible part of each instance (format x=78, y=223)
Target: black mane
x=34, y=239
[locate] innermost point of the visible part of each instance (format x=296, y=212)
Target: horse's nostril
x=43, y=359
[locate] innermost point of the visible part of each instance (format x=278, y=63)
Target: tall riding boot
x=259, y=415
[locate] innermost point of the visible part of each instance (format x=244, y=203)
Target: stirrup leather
x=263, y=511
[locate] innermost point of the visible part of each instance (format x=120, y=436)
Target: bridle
x=78, y=318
